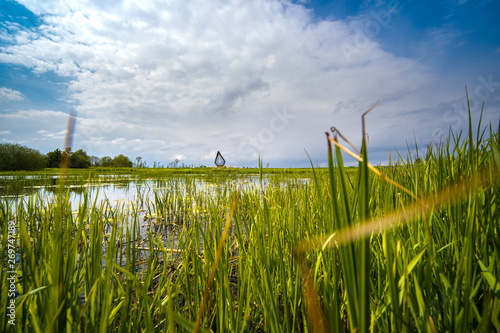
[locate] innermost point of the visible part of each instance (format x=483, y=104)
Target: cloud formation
x=183, y=79
x=8, y=95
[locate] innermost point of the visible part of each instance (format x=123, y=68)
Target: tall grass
x=347, y=251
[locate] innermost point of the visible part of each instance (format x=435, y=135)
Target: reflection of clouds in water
x=162, y=206
x=125, y=190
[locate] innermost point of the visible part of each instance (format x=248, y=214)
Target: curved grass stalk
x=372, y=168
x=213, y=270
x=449, y=195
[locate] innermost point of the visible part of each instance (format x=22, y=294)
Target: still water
x=144, y=196
x=163, y=206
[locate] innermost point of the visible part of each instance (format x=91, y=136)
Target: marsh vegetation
x=332, y=249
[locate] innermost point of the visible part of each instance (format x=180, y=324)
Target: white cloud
x=179, y=157
x=34, y=115
x=437, y=39
x=52, y=135
x=185, y=78
x=40, y=129
x=8, y=95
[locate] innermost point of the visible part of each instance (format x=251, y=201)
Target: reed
x=410, y=247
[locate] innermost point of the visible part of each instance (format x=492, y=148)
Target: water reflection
x=163, y=207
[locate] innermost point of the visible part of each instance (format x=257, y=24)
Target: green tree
x=95, y=161
x=79, y=159
x=121, y=161
x=54, y=158
x=106, y=161
x=16, y=157
x=138, y=162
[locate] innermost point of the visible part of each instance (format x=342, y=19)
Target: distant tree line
x=17, y=157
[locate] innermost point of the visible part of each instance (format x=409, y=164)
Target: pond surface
x=127, y=187
x=162, y=207
x=158, y=202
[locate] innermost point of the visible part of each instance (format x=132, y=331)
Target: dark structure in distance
x=219, y=160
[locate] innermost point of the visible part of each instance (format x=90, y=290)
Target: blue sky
x=180, y=79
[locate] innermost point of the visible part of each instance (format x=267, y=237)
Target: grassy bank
x=346, y=251
x=25, y=182
x=156, y=172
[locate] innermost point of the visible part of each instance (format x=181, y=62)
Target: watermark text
x=11, y=273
